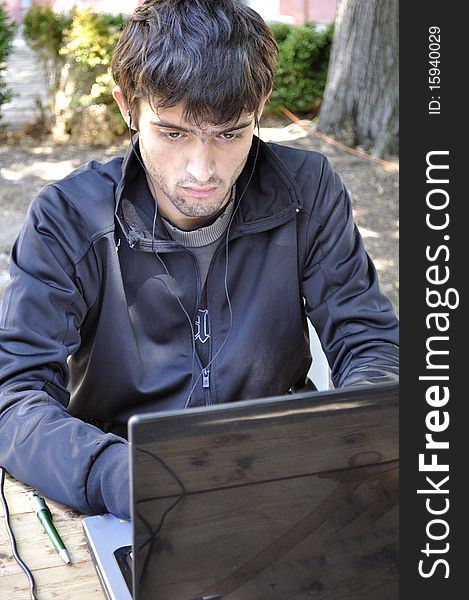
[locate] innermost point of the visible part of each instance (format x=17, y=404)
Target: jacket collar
x=266, y=196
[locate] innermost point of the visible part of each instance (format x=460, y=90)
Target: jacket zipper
x=206, y=379
x=204, y=370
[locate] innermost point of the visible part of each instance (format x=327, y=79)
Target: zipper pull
x=206, y=378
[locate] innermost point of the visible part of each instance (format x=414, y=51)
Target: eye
x=228, y=136
x=173, y=135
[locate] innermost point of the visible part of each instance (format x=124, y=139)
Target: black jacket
x=91, y=326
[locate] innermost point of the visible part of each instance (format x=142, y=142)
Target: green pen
x=45, y=517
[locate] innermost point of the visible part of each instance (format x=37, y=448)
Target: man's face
x=192, y=169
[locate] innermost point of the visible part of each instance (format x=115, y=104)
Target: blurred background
x=287, y=11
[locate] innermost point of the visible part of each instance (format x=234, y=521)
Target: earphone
x=172, y=290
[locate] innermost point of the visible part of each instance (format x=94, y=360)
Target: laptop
x=286, y=497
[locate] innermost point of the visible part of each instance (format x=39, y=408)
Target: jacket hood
x=262, y=202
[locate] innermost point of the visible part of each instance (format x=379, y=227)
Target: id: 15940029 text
x=434, y=71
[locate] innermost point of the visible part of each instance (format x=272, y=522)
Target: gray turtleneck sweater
x=204, y=240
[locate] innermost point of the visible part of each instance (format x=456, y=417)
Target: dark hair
x=217, y=57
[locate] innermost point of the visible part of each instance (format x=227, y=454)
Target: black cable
x=11, y=535
x=152, y=535
x=173, y=292
x=227, y=294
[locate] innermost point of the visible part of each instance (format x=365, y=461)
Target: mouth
x=200, y=192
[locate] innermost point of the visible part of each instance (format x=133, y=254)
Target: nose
x=200, y=162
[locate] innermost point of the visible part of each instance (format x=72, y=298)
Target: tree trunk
x=361, y=100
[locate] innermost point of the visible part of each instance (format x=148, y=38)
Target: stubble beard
x=194, y=207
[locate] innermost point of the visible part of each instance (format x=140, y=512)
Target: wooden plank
x=70, y=582
x=35, y=547
x=53, y=578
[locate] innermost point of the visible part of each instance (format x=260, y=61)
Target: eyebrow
x=168, y=125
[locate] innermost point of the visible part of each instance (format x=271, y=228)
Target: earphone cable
x=227, y=294
x=157, y=255
x=173, y=292
x=152, y=534
x=11, y=535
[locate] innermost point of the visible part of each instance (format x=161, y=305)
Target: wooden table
x=54, y=579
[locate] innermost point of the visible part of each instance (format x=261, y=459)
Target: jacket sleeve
x=355, y=322
x=41, y=444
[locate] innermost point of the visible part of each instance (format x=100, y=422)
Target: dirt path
x=27, y=166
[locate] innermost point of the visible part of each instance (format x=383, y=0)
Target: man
x=184, y=274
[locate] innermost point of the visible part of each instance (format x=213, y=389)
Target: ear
x=261, y=108
x=121, y=103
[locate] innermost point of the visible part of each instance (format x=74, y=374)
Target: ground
x=27, y=164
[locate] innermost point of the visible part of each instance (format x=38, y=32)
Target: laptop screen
x=286, y=497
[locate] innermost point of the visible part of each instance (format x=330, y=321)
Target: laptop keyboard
x=124, y=559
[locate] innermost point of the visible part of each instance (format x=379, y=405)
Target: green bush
x=281, y=31
x=74, y=49
x=302, y=71
x=44, y=31
x=7, y=32
x=87, y=87
x=88, y=47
